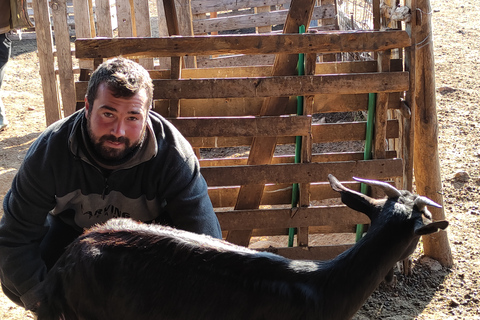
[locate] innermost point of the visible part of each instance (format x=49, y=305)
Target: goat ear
x=431, y=227
x=353, y=199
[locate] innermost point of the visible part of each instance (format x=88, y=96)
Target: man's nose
x=118, y=129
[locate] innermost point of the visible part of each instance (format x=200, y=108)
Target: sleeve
x=188, y=204
x=22, y=227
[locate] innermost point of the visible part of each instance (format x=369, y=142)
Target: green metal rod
x=367, y=154
x=298, y=139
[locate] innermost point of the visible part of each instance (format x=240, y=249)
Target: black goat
x=126, y=270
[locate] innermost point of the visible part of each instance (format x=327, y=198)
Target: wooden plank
x=262, y=149
x=46, y=60
x=64, y=57
x=163, y=62
x=245, y=126
x=301, y=173
x=261, y=19
x=322, y=133
x=281, y=86
x=289, y=158
x=125, y=19
x=311, y=253
x=103, y=13
x=278, y=194
x=206, y=6
x=185, y=27
x=82, y=27
x=428, y=178
x=264, y=10
x=381, y=116
x=340, y=41
x=142, y=27
x=289, y=218
x=349, y=131
x=239, y=60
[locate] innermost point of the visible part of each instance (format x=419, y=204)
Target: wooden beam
x=281, y=86
x=46, y=60
x=322, y=133
x=301, y=173
x=262, y=149
x=290, y=218
x=261, y=19
x=64, y=57
x=244, y=127
x=328, y=42
x=428, y=178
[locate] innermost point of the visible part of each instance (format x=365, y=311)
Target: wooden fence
x=254, y=106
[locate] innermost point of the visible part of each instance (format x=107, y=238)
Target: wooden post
x=64, y=56
x=45, y=57
x=262, y=149
x=426, y=161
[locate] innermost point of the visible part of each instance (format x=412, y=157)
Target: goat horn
x=422, y=201
x=389, y=190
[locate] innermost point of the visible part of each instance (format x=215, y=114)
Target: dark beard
x=111, y=155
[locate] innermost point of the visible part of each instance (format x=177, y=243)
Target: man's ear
x=87, y=107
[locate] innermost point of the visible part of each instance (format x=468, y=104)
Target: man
x=114, y=158
x=13, y=15
x=5, y=51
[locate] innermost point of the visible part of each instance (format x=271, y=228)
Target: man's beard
x=112, y=154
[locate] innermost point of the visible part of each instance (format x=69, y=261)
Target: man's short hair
x=123, y=77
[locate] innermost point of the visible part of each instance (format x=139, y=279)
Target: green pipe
x=367, y=154
x=298, y=139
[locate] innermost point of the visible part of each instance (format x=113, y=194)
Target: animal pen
x=246, y=89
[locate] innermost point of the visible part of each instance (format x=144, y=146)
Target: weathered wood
x=306, y=150
x=142, y=27
x=262, y=149
x=321, y=133
x=103, y=13
x=243, y=44
x=125, y=19
x=311, y=253
x=267, y=27
x=64, y=57
x=163, y=62
x=426, y=160
x=262, y=19
x=289, y=218
x=244, y=127
x=280, y=86
x=301, y=173
x=185, y=27
x=274, y=195
x=289, y=158
x=83, y=28
x=379, y=148
x=206, y=6
x=45, y=56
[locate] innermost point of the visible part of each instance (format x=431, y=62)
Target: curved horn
x=422, y=201
x=389, y=190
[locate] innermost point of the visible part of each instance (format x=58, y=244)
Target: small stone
x=453, y=303
x=461, y=176
x=432, y=264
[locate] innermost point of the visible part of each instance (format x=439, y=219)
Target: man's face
x=116, y=125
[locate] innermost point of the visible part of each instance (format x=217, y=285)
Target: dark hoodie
x=159, y=183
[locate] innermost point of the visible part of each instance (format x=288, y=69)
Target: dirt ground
x=432, y=292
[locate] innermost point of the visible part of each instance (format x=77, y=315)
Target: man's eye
x=107, y=114
x=133, y=119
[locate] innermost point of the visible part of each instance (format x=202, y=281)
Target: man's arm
x=188, y=204
x=22, y=227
